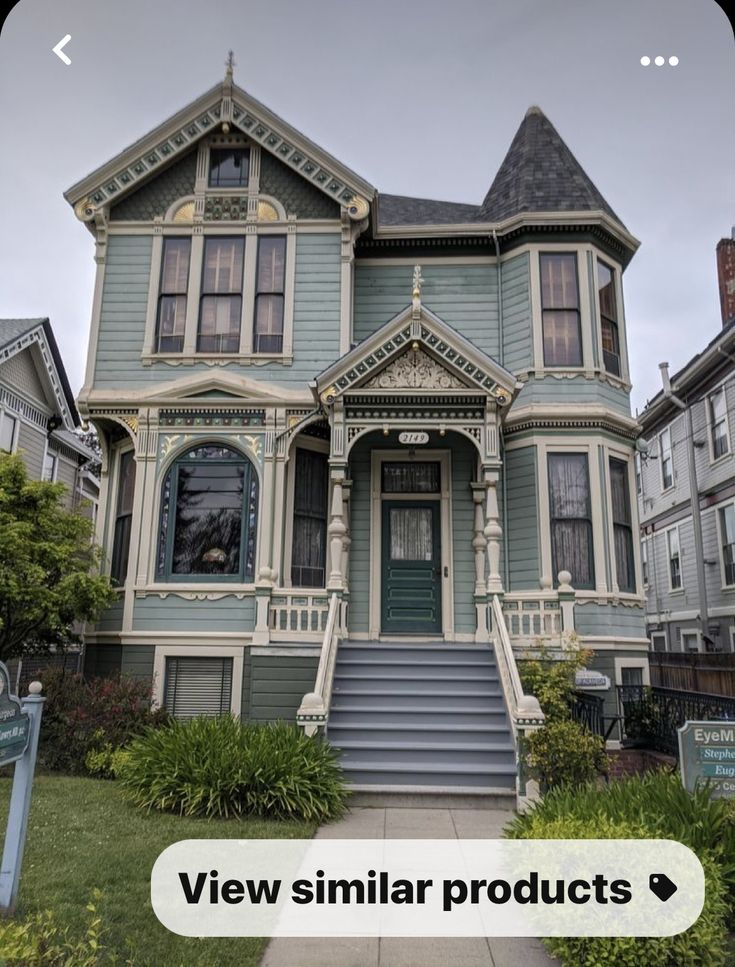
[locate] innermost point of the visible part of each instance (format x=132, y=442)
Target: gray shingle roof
x=540, y=174
x=12, y=329
x=402, y=210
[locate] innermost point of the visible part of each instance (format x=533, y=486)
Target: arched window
x=209, y=512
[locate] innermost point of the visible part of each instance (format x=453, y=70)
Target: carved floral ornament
x=415, y=370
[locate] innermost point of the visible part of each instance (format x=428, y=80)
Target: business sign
x=591, y=681
x=707, y=753
x=413, y=438
x=14, y=724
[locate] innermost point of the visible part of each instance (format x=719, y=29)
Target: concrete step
x=397, y=715
x=379, y=685
x=402, y=796
x=419, y=734
x=358, y=754
x=444, y=776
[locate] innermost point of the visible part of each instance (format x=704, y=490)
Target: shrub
x=703, y=943
x=227, y=768
x=105, y=763
x=83, y=716
x=551, y=679
x=564, y=752
x=40, y=942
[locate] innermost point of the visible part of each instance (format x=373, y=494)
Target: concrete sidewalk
x=394, y=823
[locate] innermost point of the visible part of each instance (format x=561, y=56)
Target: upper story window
x=560, y=310
x=172, y=295
x=667, y=462
x=622, y=525
x=8, y=425
x=228, y=167
x=269, y=299
x=719, y=437
x=209, y=514
x=220, y=306
x=609, y=318
x=570, y=510
x=727, y=537
x=50, y=463
x=672, y=540
x=123, y=518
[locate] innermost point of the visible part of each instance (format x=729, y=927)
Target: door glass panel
x=410, y=534
x=410, y=478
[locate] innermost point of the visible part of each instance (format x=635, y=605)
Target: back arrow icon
x=58, y=49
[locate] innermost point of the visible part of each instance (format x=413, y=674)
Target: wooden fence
x=696, y=672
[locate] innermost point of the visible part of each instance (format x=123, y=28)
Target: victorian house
x=361, y=450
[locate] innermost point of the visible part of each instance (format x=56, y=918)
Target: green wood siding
x=31, y=447
x=206, y=617
x=102, y=661
x=609, y=620
x=523, y=526
x=111, y=617
x=464, y=295
x=137, y=661
x=277, y=685
x=517, y=342
x=577, y=390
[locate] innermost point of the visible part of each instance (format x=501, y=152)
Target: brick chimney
x=726, y=277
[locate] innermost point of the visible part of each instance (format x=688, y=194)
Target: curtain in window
x=609, y=318
x=269, y=300
x=123, y=518
x=571, y=517
x=309, y=550
x=560, y=305
x=411, y=478
x=172, y=299
x=221, y=304
x=411, y=537
x=198, y=686
x=622, y=525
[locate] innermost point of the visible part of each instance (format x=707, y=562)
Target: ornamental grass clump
x=222, y=767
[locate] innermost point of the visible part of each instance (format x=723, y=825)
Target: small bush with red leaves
x=81, y=716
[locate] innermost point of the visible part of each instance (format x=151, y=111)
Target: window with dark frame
x=8, y=424
x=622, y=525
x=220, y=306
x=608, y=318
x=172, y=296
x=311, y=494
x=727, y=534
x=209, y=511
x=570, y=511
x=560, y=309
x=269, y=295
x=228, y=167
x=196, y=686
x=718, y=423
x=123, y=518
x=667, y=463
x=672, y=541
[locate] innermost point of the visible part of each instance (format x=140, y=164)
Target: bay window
x=221, y=295
x=123, y=518
x=560, y=315
x=608, y=318
x=622, y=525
x=570, y=511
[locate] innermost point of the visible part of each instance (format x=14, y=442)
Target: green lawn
x=83, y=834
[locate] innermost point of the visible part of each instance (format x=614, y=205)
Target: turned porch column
x=337, y=529
x=346, y=540
x=479, y=544
x=493, y=533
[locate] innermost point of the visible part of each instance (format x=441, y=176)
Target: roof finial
x=229, y=64
x=417, y=280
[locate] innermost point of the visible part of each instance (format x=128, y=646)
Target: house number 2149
x=413, y=439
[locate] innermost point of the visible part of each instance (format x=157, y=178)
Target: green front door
x=411, y=568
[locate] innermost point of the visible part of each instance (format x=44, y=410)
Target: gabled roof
x=17, y=334
x=540, y=174
x=225, y=103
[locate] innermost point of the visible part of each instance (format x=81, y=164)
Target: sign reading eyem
x=413, y=438
x=707, y=753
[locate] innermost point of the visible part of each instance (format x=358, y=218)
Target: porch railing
x=524, y=710
x=313, y=712
x=298, y=615
x=589, y=711
x=541, y=617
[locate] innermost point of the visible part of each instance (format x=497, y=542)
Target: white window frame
x=658, y=634
x=662, y=434
x=680, y=589
x=611, y=453
x=690, y=633
x=617, y=285
x=6, y=414
x=710, y=425
x=320, y=446
x=162, y=652
x=720, y=508
x=48, y=452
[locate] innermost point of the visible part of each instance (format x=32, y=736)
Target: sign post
x=20, y=727
x=707, y=753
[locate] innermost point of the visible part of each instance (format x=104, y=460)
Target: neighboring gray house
x=38, y=414
x=688, y=548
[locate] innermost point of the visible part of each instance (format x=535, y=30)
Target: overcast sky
x=421, y=98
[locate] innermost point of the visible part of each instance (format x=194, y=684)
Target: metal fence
x=653, y=715
x=588, y=711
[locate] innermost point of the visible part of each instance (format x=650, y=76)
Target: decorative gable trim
x=49, y=372
x=223, y=107
x=445, y=356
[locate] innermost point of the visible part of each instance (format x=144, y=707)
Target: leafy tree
x=48, y=565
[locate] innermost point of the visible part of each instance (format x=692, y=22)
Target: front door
x=411, y=567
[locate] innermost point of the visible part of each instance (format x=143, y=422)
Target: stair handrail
x=314, y=709
x=524, y=709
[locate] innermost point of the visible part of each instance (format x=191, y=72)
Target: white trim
x=655, y=635
x=163, y=652
x=320, y=446
x=642, y=663
x=710, y=425
x=667, y=547
x=666, y=429
x=377, y=458
x=689, y=633
x=15, y=417
x=719, y=509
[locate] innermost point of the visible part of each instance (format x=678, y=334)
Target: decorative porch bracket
x=524, y=710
